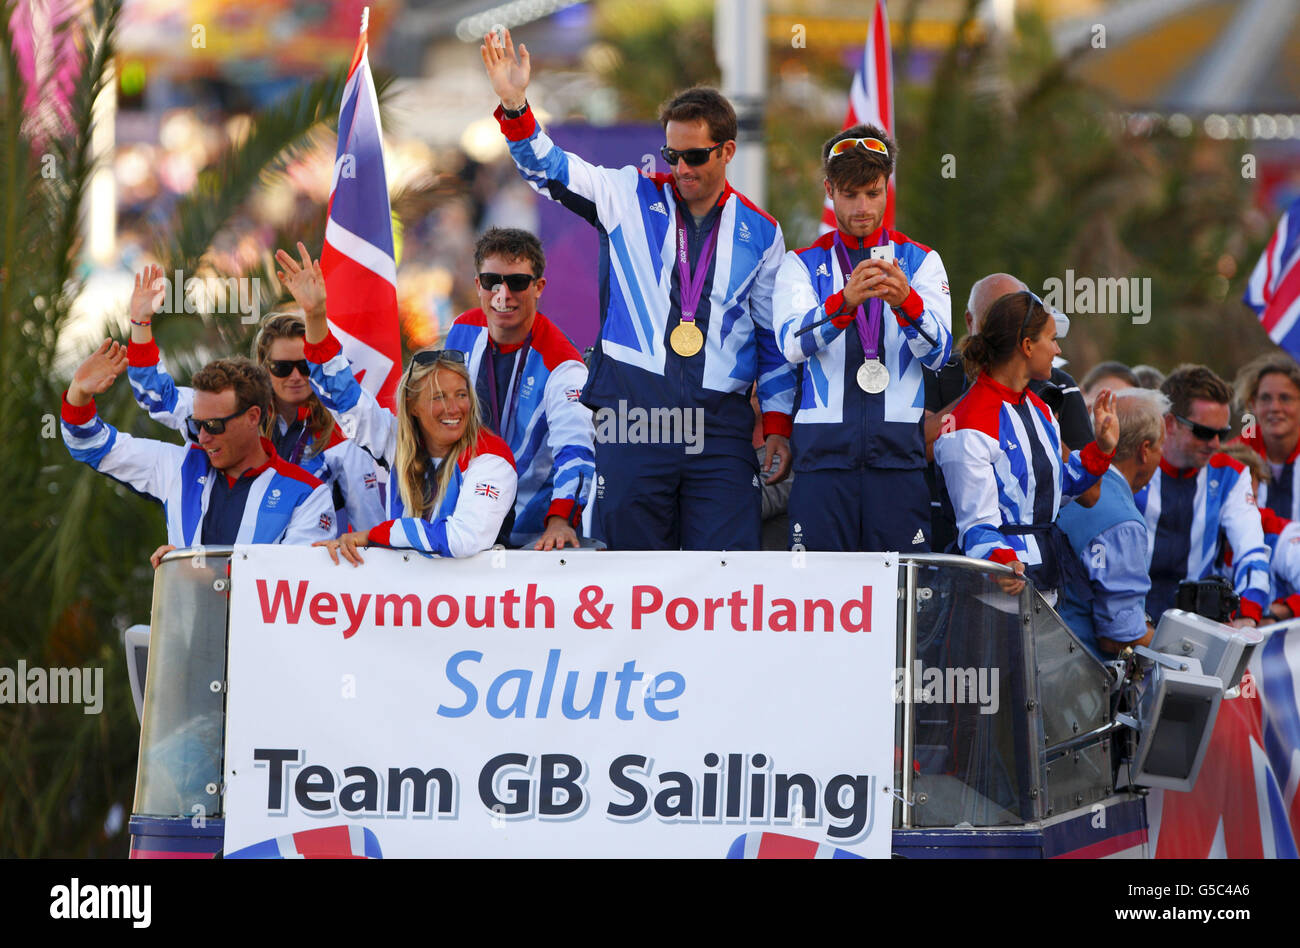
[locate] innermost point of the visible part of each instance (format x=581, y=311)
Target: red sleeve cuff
x=1292, y=603
x=1271, y=522
x=1094, y=462
x=563, y=507
x=1250, y=610
x=321, y=352
x=833, y=305
x=1003, y=555
x=777, y=423
x=142, y=354
x=378, y=534
x=913, y=306
x=516, y=129
x=75, y=415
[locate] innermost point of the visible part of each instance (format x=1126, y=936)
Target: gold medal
x=686, y=339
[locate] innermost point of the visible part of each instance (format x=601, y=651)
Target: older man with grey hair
x=1110, y=537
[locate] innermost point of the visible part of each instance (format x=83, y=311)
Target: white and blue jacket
x=1188, y=514
x=838, y=426
x=285, y=504
x=635, y=216
x=478, y=498
x=550, y=433
x=1002, y=464
x=350, y=472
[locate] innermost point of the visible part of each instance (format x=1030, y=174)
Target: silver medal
x=873, y=377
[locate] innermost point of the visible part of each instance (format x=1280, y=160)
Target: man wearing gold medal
x=687, y=268
x=861, y=311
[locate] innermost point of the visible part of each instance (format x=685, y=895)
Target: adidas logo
x=658, y=206
x=744, y=231
x=1012, y=446
x=919, y=538
x=822, y=271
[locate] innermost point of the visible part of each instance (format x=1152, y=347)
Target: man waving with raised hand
x=688, y=267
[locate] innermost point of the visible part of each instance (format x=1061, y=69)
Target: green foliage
x=660, y=48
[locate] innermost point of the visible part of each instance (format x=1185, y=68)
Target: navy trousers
x=866, y=510
x=657, y=497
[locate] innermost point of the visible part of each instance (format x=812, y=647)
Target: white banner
x=584, y=704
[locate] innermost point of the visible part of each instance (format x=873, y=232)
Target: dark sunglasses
x=1203, y=432
x=430, y=356
x=692, y=156
x=213, y=426
x=516, y=282
x=1029, y=312
x=283, y=368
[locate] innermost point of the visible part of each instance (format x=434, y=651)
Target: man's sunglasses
x=515, y=282
x=430, y=356
x=692, y=156
x=283, y=368
x=848, y=144
x=213, y=426
x=1203, y=432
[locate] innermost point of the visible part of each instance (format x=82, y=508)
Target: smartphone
x=883, y=253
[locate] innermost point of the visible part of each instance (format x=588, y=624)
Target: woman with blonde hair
x=1268, y=388
x=300, y=428
x=451, y=481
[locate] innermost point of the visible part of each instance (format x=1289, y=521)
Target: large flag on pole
x=871, y=98
x=1274, y=288
x=357, y=261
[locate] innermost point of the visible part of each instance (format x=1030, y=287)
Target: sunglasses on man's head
x=1203, y=432
x=430, y=356
x=213, y=426
x=283, y=368
x=692, y=156
x=515, y=282
x=848, y=144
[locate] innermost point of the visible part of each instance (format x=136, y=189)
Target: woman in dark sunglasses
x=1001, y=453
x=301, y=429
x=452, y=481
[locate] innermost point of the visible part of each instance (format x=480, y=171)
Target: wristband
x=138, y=323
x=514, y=113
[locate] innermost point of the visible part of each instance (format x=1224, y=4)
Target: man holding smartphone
x=860, y=312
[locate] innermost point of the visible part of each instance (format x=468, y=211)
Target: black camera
x=1212, y=598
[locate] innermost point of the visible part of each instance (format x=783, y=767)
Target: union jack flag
x=369, y=480
x=871, y=99
x=1244, y=804
x=325, y=842
x=573, y=394
x=357, y=261
x=326, y=522
x=1274, y=288
x=487, y=490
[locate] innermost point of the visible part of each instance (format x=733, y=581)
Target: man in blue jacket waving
x=687, y=270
